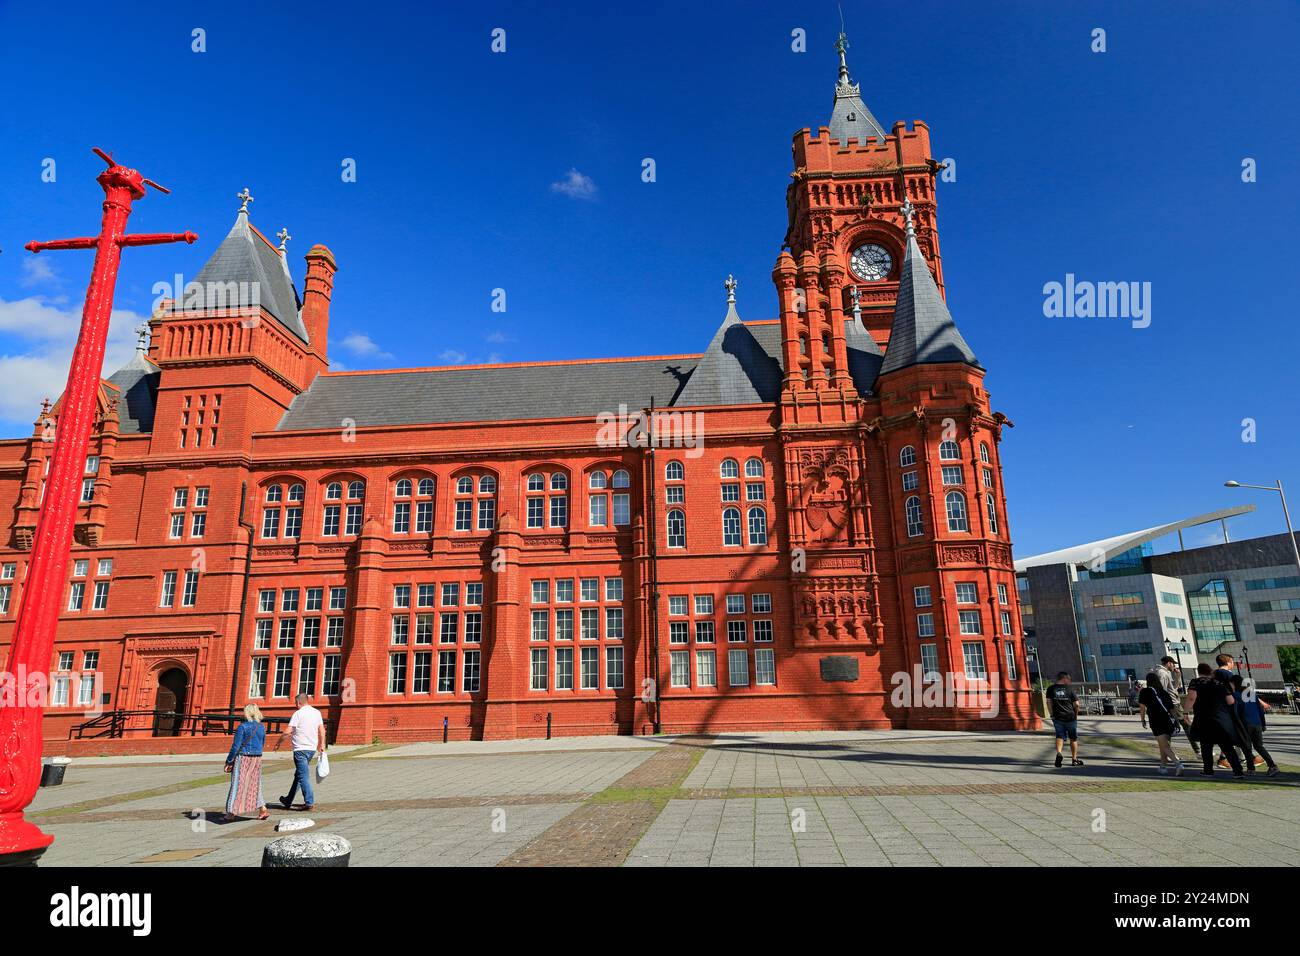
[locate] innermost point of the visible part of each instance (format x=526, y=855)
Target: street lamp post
x=1286, y=514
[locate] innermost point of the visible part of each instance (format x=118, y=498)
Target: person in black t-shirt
x=1063, y=708
x=1157, y=713
x=1211, y=704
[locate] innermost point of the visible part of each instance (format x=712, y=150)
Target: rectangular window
x=289, y=600
x=180, y=498
x=679, y=632
x=704, y=604
x=590, y=674
x=307, y=675
x=1002, y=593
x=761, y=604
x=311, y=632
x=731, y=492
x=5, y=591
x=168, y=589
x=334, y=632
x=541, y=593
x=332, y=676
x=738, y=668
x=60, y=691
x=541, y=626
x=330, y=523
x=397, y=673
x=464, y=515
x=470, y=671
x=100, y=601
x=735, y=604
x=951, y=474
x=706, y=668
x=86, y=687
x=613, y=589
x=270, y=523
x=704, y=633
x=972, y=653
x=590, y=589
x=401, y=595
x=969, y=622
x=929, y=661
x=353, y=523
x=564, y=624
x=104, y=568
x=968, y=594
x=921, y=596
x=424, y=594
x=283, y=677
x=487, y=514
x=677, y=604
x=76, y=594
x=564, y=591
x=423, y=517
x=9, y=571
x=265, y=601
x=614, y=668
x=762, y=632
x=314, y=598
x=538, y=666
x=474, y=593
x=338, y=599
x=614, y=623
x=473, y=627
x=1006, y=621
x=560, y=511
x=910, y=481
x=622, y=510
x=1012, y=672
x=764, y=666
x=401, y=628
x=402, y=518
x=681, y=668
x=535, y=511
x=87, y=489
x=80, y=568
x=596, y=512
x=451, y=595
x=446, y=672
x=755, y=491
x=736, y=633
x=674, y=494
x=257, y=677
x=447, y=627
x=424, y=629
x=198, y=524
x=925, y=625
x=262, y=637
x=288, y=632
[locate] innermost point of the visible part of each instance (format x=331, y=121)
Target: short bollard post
x=307, y=850
x=548, y=725
x=444, y=730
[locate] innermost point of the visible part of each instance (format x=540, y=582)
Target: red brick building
x=819, y=522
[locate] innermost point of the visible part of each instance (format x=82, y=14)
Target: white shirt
x=305, y=724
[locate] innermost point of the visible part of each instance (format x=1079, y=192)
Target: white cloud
x=37, y=271
x=36, y=341
x=452, y=357
x=576, y=186
x=496, y=338
x=358, y=343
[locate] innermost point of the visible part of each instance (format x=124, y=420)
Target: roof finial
x=283, y=236
x=730, y=286
x=142, y=338
x=856, y=296
x=907, y=210
x=245, y=198
x=842, y=44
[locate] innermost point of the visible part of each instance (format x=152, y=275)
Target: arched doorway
x=173, y=688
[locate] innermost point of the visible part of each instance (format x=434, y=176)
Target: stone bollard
x=52, y=771
x=318, y=849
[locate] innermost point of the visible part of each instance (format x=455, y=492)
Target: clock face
x=871, y=262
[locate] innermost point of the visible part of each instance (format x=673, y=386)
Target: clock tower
x=845, y=201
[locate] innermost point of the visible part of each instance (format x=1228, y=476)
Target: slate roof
x=923, y=332
x=850, y=117
x=137, y=383
x=735, y=369
x=246, y=257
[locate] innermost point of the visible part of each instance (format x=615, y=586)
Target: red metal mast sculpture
x=21, y=842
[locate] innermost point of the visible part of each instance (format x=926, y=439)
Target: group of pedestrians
x=1221, y=711
x=306, y=731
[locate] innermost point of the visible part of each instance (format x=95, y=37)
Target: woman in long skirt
x=244, y=764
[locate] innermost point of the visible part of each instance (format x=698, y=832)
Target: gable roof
x=137, y=383
x=923, y=332
x=735, y=369
x=246, y=258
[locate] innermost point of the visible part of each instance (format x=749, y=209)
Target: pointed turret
x=246, y=271
x=865, y=356
x=734, y=369
x=923, y=331
x=137, y=384
x=850, y=116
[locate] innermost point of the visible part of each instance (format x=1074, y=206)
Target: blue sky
x=1116, y=166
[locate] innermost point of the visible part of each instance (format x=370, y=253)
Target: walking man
x=307, y=729
x=1170, y=677
x=1063, y=704
x=1211, y=704
x=1251, y=711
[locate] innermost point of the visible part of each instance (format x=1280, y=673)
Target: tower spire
x=850, y=116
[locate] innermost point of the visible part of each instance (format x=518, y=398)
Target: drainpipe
x=243, y=604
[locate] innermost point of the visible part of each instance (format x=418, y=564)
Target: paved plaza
x=857, y=798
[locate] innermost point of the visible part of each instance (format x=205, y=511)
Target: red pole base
x=21, y=842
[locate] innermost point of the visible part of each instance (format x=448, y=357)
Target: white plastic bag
x=322, y=766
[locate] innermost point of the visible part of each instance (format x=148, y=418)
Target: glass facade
x=1211, y=609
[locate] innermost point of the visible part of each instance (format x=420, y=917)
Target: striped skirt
x=245, y=798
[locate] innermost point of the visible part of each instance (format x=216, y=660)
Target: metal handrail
x=112, y=724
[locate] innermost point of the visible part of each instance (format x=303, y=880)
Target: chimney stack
x=317, y=291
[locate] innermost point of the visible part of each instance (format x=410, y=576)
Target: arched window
x=597, y=480
x=536, y=482
x=984, y=452
x=297, y=492
x=476, y=511
x=993, y=514
x=673, y=471
x=621, y=479
x=356, y=490
x=948, y=451
x=955, y=504
x=426, y=487
x=730, y=469
x=403, y=489
x=333, y=491
x=757, y=526
x=754, y=468
x=676, y=529
x=274, y=493
x=915, y=526
x=559, y=481
x=907, y=456
x=731, y=526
